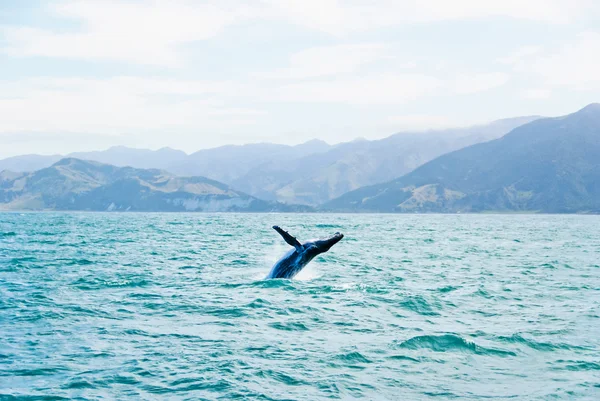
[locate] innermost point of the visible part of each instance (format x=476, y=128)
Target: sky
x=86, y=75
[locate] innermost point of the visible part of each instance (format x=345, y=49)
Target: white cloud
x=117, y=105
x=144, y=33
x=344, y=17
x=473, y=83
x=537, y=94
x=387, y=88
x=421, y=122
x=368, y=90
x=152, y=32
x=331, y=60
x=572, y=65
x=520, y=54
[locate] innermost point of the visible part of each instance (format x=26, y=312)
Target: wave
x=447, y=288
x=38, y=372
x=292, y=326
x=23, y=259
x=281, y=377
x=539, y=345
x=353, y=357
x=230, y=313
x=403, y=358
x=78, y=384
x=450, y=342
x=8, y=234
x=328, y=226
x=420, y=305
x=261, y=283
x=575, y=366
x=258, y=303
x=582, y=366
x=79, y=262
x=98, y=284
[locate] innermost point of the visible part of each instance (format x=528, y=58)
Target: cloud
x=136, y=32
x=520, y=54
x=343, y=74
x=332, y=60
x=572, y=65
x=125, y=104
x=367, y=90
x=536, y=94
x=378, y=89
x=152, y=33
x=119, y=105
x=344, y=17
x=421, y=122
x=473, y=83
x=145, y=111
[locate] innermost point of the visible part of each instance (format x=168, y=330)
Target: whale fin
x=288, y=238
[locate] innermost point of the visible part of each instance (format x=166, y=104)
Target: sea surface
x=406, y=307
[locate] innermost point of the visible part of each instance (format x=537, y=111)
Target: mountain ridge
x=549, y=165
x=309, y=173
x=74, y=184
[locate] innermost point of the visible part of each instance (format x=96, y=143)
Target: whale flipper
x=288, y=238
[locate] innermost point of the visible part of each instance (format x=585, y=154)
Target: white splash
x=308, y=273
x=278, y=252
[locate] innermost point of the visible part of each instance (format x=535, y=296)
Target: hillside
x=73, y=184
x=550, y=165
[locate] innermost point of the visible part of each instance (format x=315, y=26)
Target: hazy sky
x=83, y=75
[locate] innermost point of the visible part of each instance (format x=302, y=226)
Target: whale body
x=292, y=262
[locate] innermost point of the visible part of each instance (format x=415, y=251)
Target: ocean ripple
x=450, y=343
x=407, y=307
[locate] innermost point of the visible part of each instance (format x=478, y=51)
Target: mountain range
x=550, y=165
x=317, y=178
x=310, y=173
x=74, y=184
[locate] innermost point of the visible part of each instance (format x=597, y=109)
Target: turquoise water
x=405, y=307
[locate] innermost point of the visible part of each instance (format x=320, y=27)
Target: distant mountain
x=122, y=156
x=28, y=162
x=74, y=184
x=310, y=173
x=319, y=177
x=225, y=163
x=119, y=156
x=550, y=165
x=232, y=162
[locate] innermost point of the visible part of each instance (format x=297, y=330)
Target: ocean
x=406, y=307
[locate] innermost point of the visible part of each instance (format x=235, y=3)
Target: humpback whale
x=292, y=262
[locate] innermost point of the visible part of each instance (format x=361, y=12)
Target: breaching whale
x=292, y=262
